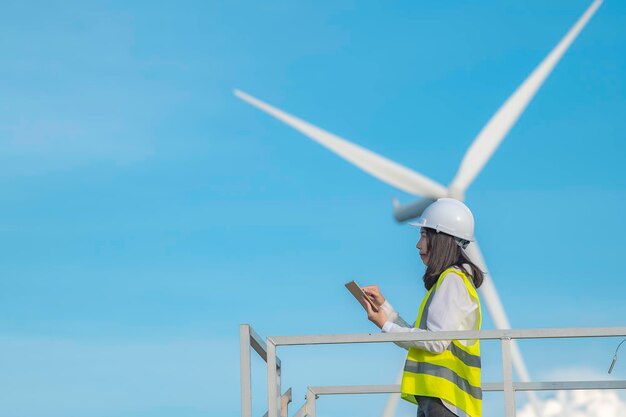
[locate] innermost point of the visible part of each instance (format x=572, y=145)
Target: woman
x=442, y=377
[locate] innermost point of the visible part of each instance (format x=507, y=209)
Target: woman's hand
x=377, y=317
x=375, y=294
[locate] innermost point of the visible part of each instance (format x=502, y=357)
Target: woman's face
x=422, y=246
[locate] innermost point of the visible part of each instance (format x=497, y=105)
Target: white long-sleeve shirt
x=450, y=309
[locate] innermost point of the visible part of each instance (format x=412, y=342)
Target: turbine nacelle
x=404, y=212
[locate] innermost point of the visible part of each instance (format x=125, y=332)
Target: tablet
x=360, y=296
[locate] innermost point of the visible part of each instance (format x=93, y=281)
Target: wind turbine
x=475, y=158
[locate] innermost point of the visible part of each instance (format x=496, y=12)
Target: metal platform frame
x=278, y=403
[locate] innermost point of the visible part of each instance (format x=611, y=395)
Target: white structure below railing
x=278, y=404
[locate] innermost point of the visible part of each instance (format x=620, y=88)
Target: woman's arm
x=374, y=292
x=393, y=316
x=449, y=307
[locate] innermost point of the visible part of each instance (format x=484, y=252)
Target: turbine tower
x=476, y=157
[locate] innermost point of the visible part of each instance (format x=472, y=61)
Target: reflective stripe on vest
x=453, y=375
x=445, y=373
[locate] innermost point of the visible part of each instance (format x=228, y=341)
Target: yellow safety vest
x=454, y=375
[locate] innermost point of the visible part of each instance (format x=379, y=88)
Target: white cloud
x=583, y=403
x=589, y=403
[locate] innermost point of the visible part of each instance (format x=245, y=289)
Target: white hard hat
x=449, y=216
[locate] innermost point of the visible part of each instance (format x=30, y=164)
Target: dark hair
x=443, y=253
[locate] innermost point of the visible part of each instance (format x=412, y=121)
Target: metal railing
x=278, y=404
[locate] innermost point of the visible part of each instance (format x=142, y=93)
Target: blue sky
x=146, y=212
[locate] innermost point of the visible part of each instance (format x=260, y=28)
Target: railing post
x=507, y=374
x=245, y=371
x=311, y=396
x=285, y=399
x=273, y=381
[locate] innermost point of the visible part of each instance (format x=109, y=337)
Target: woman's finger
x=371, y=291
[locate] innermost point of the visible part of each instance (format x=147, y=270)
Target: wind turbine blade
x=499, y=317
x=503, y=120
x=382, y=168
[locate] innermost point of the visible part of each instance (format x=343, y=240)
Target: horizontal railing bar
x=568, y=385
x=380, y=389
x=489, y=386
x=257, y=343
x=329, y=339
x=555, y=385
x=493, y=386
x=355, y=389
